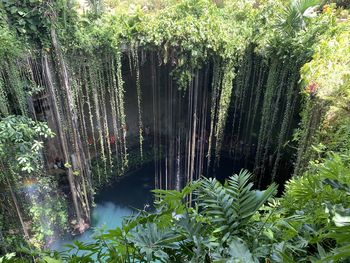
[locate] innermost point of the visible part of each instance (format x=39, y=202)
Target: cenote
x=174, y=131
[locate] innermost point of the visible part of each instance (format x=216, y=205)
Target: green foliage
x=231, y=206
x=20, y=143
x=176, y=232
x=10, y=46
x=97, y=6
x=7, y=257
x=326, y=82
x=293, y=28
x=4, y=107
x=27, y=16
x=231, y=222
x=295, y=14
x=224, y=103
x=311, y=191
x=321, y=196
x=187, y=33
x=33, y=19
x=47, y=211
x=329, y=67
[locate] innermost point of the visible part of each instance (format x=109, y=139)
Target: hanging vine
x=114, y=103
x=139, y=94
x=183, y=40
x=244, y=95
x=224, y=103
x=265, y=118
x=88, y=91
x=215, y=88
x=308, y=133
x=262, y=68
x=271, y=128
x=237, y=103
x=4, y=107
x=286, y=119
x=105, y=123
x=78, y=81
x=15, y=82
x=94, y=82
x=120, y=96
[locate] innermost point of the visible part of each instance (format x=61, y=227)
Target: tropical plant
x=252, y=44
x=229, y=222
x=230, y=207
x=20, y=143
x=178, y=232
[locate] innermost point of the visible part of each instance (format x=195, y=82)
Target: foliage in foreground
x=232, y=222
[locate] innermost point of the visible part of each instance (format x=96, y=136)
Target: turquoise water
x=113, y=203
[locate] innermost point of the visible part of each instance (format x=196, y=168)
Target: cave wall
x=262, y=114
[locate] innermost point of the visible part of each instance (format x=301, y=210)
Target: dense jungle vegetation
x=245, y=70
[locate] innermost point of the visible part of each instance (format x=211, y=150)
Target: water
x=113, y=203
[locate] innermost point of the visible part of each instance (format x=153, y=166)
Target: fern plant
x=230, y=206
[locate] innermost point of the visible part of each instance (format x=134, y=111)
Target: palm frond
x=292, y=17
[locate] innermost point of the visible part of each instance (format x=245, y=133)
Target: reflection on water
x=114, y=203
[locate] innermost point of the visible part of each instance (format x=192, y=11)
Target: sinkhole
x=132, y=112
